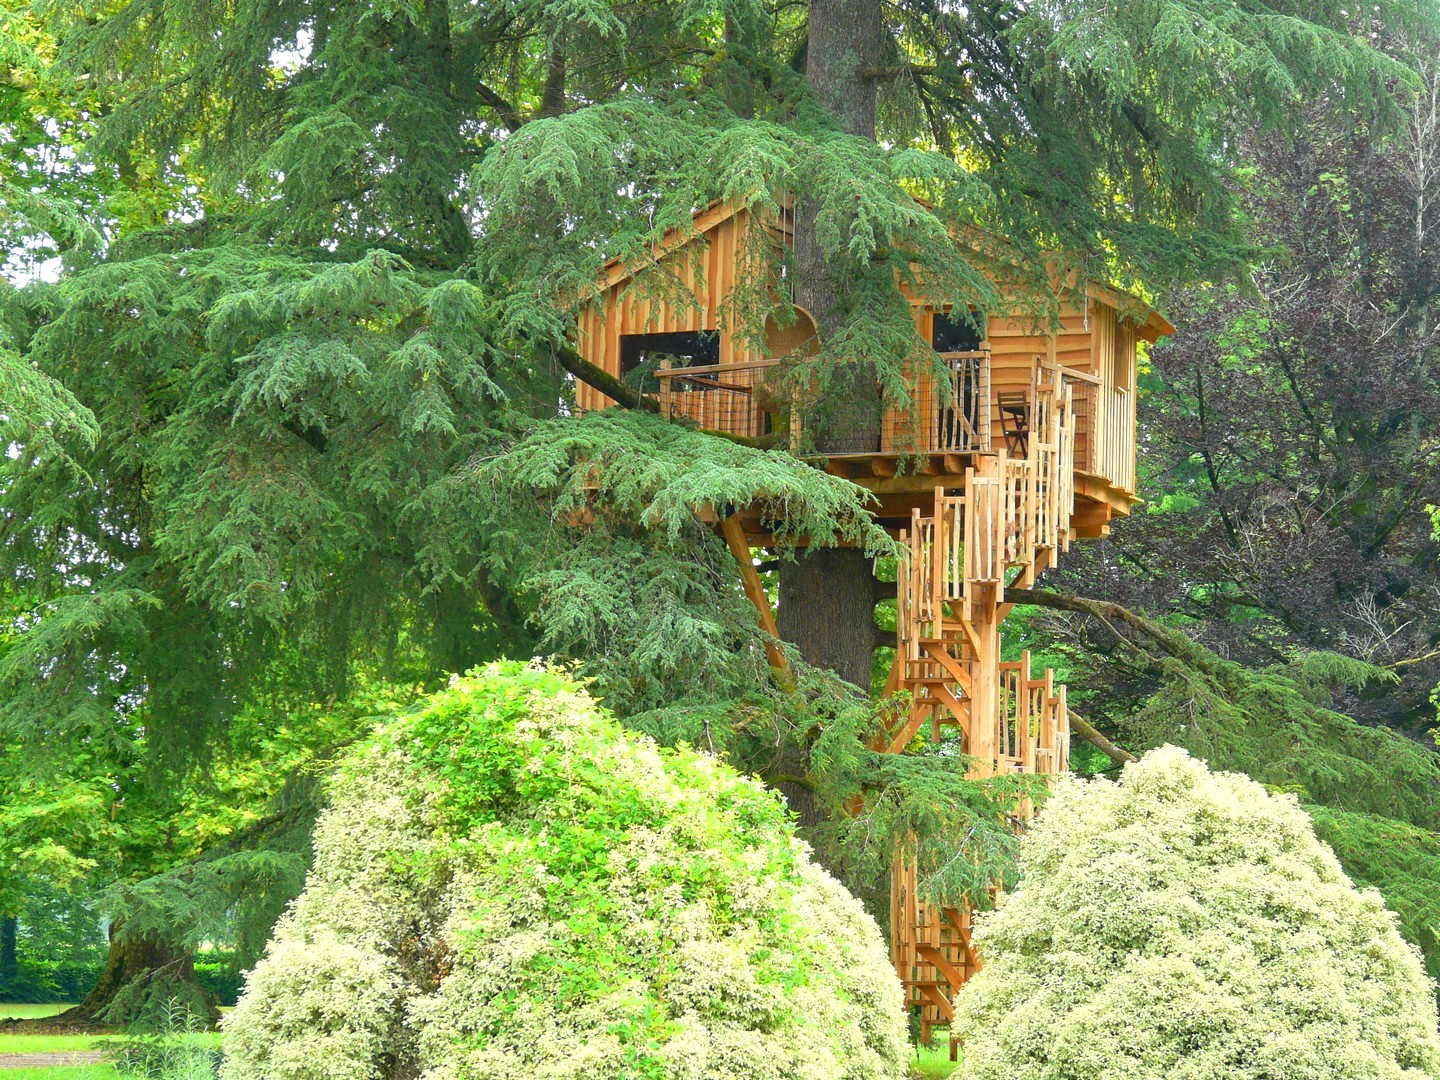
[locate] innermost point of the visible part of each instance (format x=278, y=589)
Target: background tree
x=1291, y=426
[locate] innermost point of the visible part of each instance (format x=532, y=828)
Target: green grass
x=50, y=1044
x=43, y=1044
x=933, y=1062
x=30, y=1012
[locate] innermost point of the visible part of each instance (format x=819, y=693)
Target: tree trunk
x=150, y=973
x=828, y=610
x=827, y=599
x=827, y=596
x=9, y=952
x=845, y=38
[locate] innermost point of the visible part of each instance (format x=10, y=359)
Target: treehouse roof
x=1149, y=323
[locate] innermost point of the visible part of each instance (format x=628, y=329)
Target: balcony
x=719, y=397
x=733, y=398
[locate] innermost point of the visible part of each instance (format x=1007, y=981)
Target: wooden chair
x=1015, y=421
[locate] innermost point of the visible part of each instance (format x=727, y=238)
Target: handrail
x=1083, y=424
x=716, y=369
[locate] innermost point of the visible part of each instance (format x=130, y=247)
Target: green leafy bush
x=1188, y=925
x=220, y=975
x=51, y=981
x=508, y=883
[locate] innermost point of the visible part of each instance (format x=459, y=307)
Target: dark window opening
x=641, y=354
x=958, y=420
x=954, y=334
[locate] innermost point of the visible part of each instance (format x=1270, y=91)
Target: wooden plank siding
x=706, y=267
x=1090, y=339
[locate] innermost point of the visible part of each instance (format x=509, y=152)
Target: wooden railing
x=718, y=397
x=955, y=418
x=930, y=944
x=950, y=416
x=1105, y=430
x=1012, y=512
x=1118, y=444
x=1034, y=735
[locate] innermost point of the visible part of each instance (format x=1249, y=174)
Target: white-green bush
x=1186, y=925
x=507, y=884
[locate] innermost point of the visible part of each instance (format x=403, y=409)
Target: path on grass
x=53, y=1060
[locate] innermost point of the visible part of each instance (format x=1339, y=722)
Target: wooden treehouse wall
x=705, y=267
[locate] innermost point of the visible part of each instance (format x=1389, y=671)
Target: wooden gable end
x=704, y=266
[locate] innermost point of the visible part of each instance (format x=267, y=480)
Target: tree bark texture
x=137, y=958
x=845, y=39
x=827, y=608
x=827, y=599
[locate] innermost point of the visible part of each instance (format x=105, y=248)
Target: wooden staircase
x=1008, y=524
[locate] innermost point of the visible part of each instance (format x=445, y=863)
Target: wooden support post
x=740, y=548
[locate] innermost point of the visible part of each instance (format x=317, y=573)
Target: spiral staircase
x=1008, y=523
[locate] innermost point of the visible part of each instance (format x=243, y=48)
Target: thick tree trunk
x=9, y=952
x=827, y=597
x=167, y=971
x=845, y=39
x=828, y=609
x=827, y=603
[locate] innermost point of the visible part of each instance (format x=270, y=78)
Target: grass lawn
x=42, y=1044
x=932, y=1062
x=30, y=1012
x=50, y=1044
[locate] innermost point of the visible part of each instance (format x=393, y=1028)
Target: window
x=949, y=334
x=640, y=354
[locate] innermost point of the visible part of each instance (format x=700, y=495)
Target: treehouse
x=1019, y=440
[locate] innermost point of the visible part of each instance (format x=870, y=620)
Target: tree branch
x=1090, y=734
x=600, y=379
x=1104, y=611
x=509, y=115
x=610, y=386
x=894, y=71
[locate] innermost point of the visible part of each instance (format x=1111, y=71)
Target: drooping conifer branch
x=1090, y=734
x=1109, y=614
